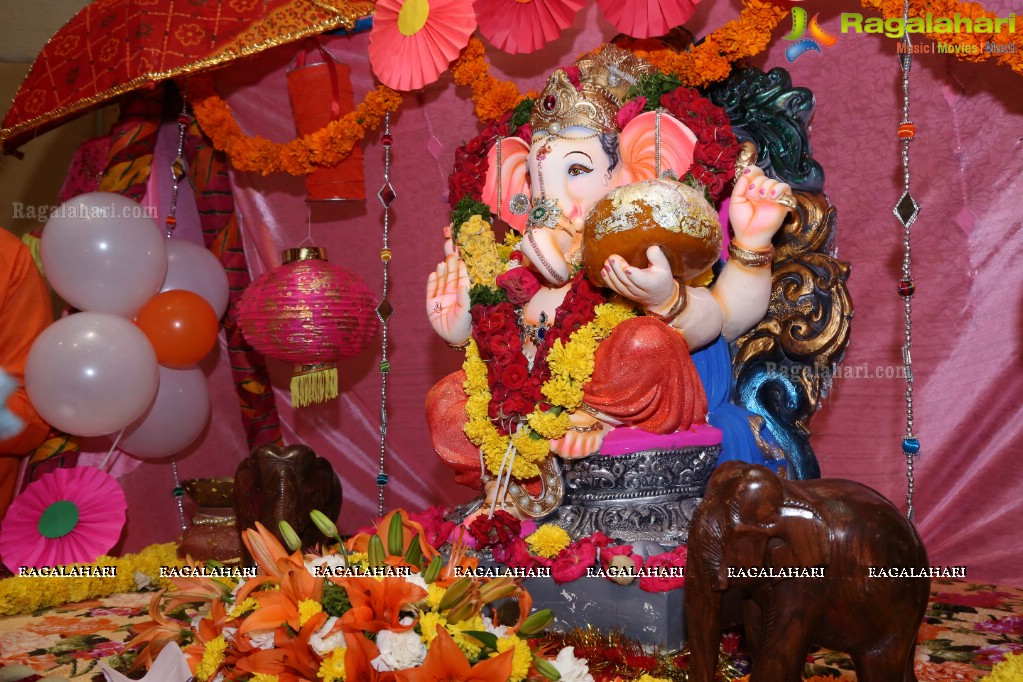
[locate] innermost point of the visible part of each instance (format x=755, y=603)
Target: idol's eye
x=579, y=169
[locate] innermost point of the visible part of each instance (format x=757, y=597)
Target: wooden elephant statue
x=801, y=553
x=275, y=484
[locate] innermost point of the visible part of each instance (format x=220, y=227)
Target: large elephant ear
x=514, y=178
x=638, y=147
x=806, y=540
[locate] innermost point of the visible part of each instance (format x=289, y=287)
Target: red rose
x=574, y=75
x=629, y=111
x=519, y=283
x=516, y=404
x=464, y=184
x=514, y=554
x=572, y=562
x=525, y=132
x=514, y=376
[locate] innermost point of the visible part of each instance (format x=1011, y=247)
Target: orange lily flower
x=277, y=607
x=210, y=628
x=155, y=634
x=445, y=662
x=193, y=590
x=358, y=654
x=291, y=659
x=376, y=605
x=360, y=542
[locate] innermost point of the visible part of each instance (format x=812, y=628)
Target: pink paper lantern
x=310, y=313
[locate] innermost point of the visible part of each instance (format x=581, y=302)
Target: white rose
x=572, y=669
x=262, y=640
x=398, y=650
x=321, y=643
x=332, y=561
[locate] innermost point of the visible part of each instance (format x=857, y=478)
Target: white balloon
x=90, y=374
x=103, y=253
x=194, y=268
x=175, y=418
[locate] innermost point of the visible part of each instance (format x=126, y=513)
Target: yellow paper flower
x=332, y=669
x=548, y=540
x=522, y=659
x=212, y=658
x=307, y=608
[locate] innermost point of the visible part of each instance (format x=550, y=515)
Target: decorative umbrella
x=68, y=516
x=114, y=46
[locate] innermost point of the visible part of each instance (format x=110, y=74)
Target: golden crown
x=604, y=80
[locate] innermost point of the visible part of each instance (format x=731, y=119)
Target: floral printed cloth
x=968, y=628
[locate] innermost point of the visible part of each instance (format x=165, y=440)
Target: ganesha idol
x=583, y=278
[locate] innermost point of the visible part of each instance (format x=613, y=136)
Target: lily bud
x=290, y=536
x=325, y=525
x=546, y=668
x=396, y=536
x=455, y=593
x=433, y=570
x=376, y=552
x=536, y=623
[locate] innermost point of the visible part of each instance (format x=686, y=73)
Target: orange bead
x=907, y=131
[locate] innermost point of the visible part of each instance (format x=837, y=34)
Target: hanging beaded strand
x=906, y=210
x=179, y=168
x=387, y=196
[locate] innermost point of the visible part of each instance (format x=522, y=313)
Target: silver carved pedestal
x=645, y=496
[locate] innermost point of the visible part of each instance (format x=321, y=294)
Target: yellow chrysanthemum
x=212, y=658
x=358, y=559
x=307, y=608
x=574, y=359
x=548, y=540
x=522, y=659
x=263, y=677
x=650, y=678
x=332, y=669
x=548, y=424
x=434, y=594
x=512, y=238
x=243, y=607
x=1009, y=670
x=473, y=226
x=529, y=448
x=561, y=390
x=469, y=645
x=428, y=623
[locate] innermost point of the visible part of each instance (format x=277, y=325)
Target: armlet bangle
x=459, y=346
x=676, y=309
x=751, y=259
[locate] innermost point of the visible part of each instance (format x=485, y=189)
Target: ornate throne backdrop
x=967, y=163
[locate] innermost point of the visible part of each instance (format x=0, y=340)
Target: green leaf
x=653, y=87
x=487, y=639
x=335, y=599
x=481, y=294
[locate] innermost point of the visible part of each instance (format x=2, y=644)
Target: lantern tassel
x=313, y=384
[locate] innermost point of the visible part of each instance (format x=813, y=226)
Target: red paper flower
x=519, y=27
x=412, y=41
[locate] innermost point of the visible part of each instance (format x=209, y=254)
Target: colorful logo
x=818, y=36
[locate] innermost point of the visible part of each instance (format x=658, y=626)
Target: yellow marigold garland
x=571, y=366
x=20, y=595
x=325, y=148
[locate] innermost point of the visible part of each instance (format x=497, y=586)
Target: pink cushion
x=626, y=439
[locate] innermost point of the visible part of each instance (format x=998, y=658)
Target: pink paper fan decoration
x=413, y=41
x=647, y=18
x=68, y=516
x=518, y=27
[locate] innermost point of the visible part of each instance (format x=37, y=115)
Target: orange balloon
x=181, y=325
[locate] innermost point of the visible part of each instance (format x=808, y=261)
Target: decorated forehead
x=590, y=93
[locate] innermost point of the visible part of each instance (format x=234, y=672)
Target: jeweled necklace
x=906, y=210
x=387, y=195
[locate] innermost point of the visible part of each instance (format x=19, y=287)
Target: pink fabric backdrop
x=967, y=165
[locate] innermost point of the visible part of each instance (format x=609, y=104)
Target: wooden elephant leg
x=893, y=665
x=753, y=626
x=782, y=652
